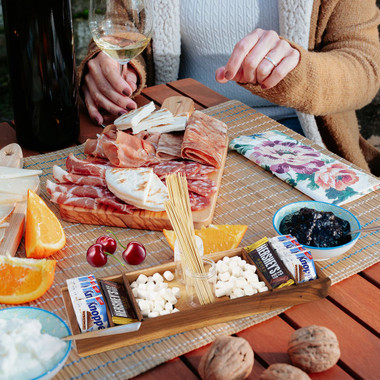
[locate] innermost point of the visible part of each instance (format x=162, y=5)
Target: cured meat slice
x=62, y=176
x=205, y=187
x=204, y=140
x=168, y=167
x=198, y=202
x=76, y=166
x=192, y=167
x=116, y=204
x=77, y=190
x=69, y=200
x=169, y=146
x=206, y=169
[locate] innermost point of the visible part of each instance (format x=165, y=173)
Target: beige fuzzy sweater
x=338, y=73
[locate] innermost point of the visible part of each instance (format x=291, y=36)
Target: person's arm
x=345, y=73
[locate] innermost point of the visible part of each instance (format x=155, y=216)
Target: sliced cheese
x=133, y=187
x=19, y=186
x=131, y=183
x=8, y=172
x=162, y=116
x=132, y=118
x=2, y=234
x=5, y=212
x=4, y=225
x=9, y=198
x=178, y=124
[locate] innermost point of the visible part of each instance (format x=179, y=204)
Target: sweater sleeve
x=343, y=73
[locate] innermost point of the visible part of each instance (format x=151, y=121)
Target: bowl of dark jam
x=320, y=227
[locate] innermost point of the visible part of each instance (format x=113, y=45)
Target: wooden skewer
x=105, y=332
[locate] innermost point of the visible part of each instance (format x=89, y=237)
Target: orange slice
x=44, y=234
x=216, y=238
x=24, y=280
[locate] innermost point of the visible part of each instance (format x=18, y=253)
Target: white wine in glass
x=121, y=28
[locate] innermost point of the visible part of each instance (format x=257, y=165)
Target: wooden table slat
x=373, y=274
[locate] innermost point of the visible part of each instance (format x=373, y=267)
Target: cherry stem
x=122, y=246
x=109, y=254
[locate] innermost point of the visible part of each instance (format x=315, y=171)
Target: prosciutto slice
x=205, y=140
x=63, y=177
x=69, y=200
x=76, y=166
x=169, y=146
x=77, y=190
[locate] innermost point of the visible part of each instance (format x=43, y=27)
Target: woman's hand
x=104, y=88
x=262, y=58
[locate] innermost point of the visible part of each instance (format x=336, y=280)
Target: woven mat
x=248, y=195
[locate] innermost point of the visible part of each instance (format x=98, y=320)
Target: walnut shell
x=228, y=358
x=282, y=371
x=314, y=348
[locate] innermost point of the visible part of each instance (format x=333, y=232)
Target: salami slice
x=191, y=167
x=76, y=166
x=198, y=202
x=205, y=187
x=205, y=140
x=168, y=167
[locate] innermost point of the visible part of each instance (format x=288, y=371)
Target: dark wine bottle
x=40, y=49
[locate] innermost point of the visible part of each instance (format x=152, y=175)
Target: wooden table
x=352, y=308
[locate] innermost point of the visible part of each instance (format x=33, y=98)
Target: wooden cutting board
x=11, y=156
x=144, y=219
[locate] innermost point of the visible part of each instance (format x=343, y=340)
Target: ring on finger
x=272, y=61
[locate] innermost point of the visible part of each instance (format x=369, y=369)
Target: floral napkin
x=317, y=175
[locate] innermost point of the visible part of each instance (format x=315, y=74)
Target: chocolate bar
x=268, y=263
x=118, y=303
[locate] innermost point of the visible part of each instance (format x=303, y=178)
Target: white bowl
x=51, y=324
x=317, y=252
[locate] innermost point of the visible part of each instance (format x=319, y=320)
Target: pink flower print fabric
x=317, y=175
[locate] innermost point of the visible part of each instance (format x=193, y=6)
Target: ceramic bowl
x=321, y=253
x=51, y=324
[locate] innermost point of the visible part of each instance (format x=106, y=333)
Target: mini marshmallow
x=164, y=312
x=168, y=307
x=263, y=289
x=176, y=292
x=153, y=314
x=143, y=286
x=135, y=292
x=221, y=267
x=220, y=292
x=142, y=279
x=175, y=310
x=141, y=293
x=134, y=284
x=236, y=271
x=240, y=283
x=238, y=292
x=226, y=259
x=224, y=276
x=242, y=264
x=158, y=278
x=169, y=276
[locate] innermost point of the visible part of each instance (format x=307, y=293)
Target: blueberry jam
x=316, y=228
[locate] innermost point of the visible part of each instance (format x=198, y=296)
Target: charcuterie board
x=222, y=310
x=144, y=219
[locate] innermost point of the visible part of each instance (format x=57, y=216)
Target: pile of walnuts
x=311, y=349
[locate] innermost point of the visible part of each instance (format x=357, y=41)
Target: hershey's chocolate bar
x=268, y=263
x=118, y=302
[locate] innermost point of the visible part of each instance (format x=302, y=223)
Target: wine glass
x=121, y=28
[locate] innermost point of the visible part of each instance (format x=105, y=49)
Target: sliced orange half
x=216, y=238
x=24, y=280
x=44, y=234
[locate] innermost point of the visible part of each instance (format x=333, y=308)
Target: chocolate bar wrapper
x=79, y=290
x=91, y=314
x=119, y=305
x=268, y=263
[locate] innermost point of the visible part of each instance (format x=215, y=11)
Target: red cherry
x=109, y=243
x=95, y=255
x=134, y=254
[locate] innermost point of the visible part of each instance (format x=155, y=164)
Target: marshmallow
x=169, y=276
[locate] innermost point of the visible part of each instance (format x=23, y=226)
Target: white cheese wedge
x=8, y=198
x=8, y=172
x=132, y=118
x=162, y=116
x=132, y=183
x=5, y=212
x=178, y=124
x=139, y=187
x=19, y=186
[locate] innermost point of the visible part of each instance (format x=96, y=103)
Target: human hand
x=262, y=58
x=104, y=88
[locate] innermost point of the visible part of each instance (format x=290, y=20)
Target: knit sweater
x=338, y=72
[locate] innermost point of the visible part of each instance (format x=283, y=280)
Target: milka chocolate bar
x=118, y=303
x=268, y=263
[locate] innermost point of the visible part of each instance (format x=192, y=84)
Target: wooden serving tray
x=188, y=318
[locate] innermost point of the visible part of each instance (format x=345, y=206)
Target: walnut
x=314, y=348
x=228, y=358
x=282, y=371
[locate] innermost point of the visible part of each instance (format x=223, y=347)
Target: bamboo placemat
x=248, y=195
